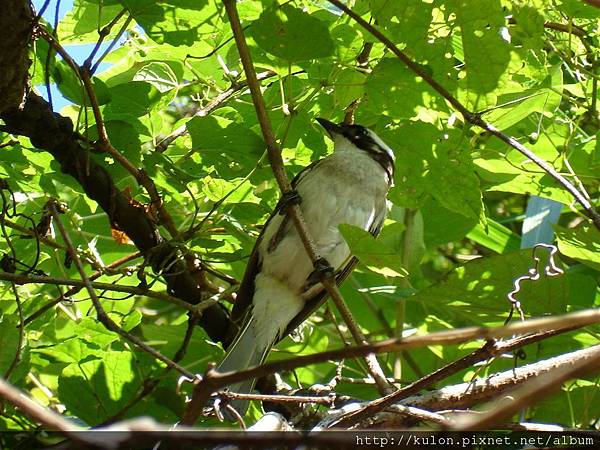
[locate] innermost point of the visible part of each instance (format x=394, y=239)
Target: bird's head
x=358, y=137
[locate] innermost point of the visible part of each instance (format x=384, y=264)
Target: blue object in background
x=540, y=215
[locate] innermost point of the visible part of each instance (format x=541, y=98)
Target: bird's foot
x=322, y=270
x=288, y=199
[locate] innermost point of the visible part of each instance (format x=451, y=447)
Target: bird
x=281, y=286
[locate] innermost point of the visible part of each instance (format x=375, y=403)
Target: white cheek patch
x=382, y=145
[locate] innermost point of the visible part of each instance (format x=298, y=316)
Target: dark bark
x=15, y=33
x=53, y=133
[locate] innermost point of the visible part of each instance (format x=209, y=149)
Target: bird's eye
x=360, y=132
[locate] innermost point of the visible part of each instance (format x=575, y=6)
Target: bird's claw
x=288, y=199
x=322, y=269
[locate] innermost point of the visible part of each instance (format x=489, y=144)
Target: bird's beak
x=331, y=127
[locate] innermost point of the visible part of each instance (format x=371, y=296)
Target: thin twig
x=319, y=400
x=36, y=279
x=31, y=232
x=75, y=289
x=112, y=44
x=211, y=106
x=103, y=32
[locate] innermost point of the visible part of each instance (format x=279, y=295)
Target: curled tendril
x=533, y=274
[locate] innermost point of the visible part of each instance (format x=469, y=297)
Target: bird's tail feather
x=242, y=354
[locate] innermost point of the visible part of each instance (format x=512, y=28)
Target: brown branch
x=274, y=153
x=214, y=380
x=474, y=118
x=30, y=232
x=318, y=400
x=404, y=416
x=101, y=314
x=466, y=395
x=511, y=391
x=542, y=378
x=48, y=418
x=489, y=350
x=563, y=28
x=15, y=33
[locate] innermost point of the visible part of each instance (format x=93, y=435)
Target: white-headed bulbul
x=280, y=288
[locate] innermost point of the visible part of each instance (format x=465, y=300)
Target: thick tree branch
x=15, y=33
x=51, y=132
x=49, y=419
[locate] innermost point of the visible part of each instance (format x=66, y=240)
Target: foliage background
x=466, y=208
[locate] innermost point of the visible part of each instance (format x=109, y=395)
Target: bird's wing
x=319, y=297
x=243, y=302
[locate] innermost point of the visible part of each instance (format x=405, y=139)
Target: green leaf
x=227, y=145
x=408, y=20
x=505, y=175
x=374, y=254
x=393, y=89
x=581, y=244
x=495, y=236
x=291, y=34
x=177, y=22
x=442, y=225
x=429, y=162
x=514, y=107
x=158, y=74
x=71, y=87
x=576, y=8
x=349, y=86
x=94, y=390
x=82, y=23
x=131, y=100
x=476, y=293
x=486, y=53
x=9, y=343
